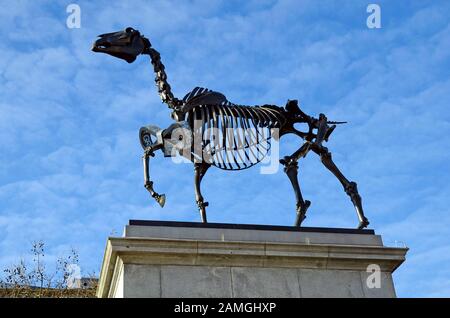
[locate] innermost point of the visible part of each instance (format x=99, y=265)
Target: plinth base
x=182, y=259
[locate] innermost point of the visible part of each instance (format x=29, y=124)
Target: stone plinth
x=180, y=259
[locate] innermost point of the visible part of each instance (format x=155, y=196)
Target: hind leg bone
x=291, y=169
x=350, y=187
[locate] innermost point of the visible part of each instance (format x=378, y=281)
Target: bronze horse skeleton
x=233, y=137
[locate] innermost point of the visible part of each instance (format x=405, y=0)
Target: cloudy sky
x=71, y=173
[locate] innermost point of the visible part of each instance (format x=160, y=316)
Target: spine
x=164, y=89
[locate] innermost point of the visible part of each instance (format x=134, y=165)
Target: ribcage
x=234, y=137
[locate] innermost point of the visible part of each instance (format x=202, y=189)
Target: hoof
x=299, y=220
x=363, y=224
x=301, y=213
x=161, y=200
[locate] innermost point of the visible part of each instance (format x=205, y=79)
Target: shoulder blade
x=203, y=96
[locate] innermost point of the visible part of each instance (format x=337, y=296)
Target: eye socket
x=129, y=30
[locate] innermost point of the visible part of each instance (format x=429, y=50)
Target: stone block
x=173, y=259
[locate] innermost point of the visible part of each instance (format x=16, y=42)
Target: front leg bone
x=148, y=184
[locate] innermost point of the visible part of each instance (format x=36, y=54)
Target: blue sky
x=69, y=152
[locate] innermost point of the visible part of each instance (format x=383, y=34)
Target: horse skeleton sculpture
x=241, y=141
